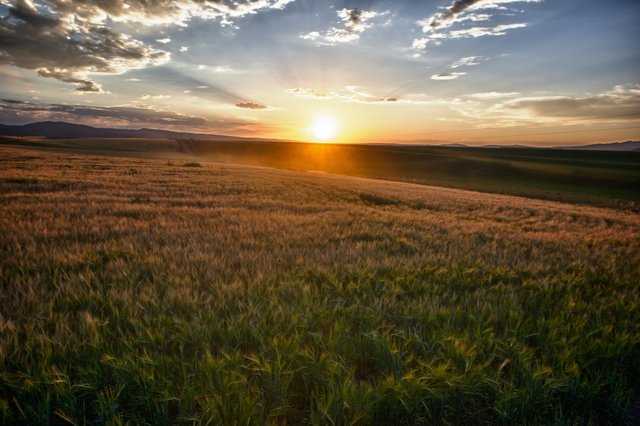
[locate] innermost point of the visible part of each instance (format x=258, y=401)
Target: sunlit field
x=610, y=179
x=182, y=291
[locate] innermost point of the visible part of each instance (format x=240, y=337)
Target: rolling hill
x=60, y=129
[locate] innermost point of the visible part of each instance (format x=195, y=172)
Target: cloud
x=475, y=32
x=420, y=43
x=67, y=49
x=620, y=103
x=340, y=35
x=437, y=27
x=468, y=62
x=82, y=85
x=447, y=75
x=154, y=97
x=458, y=7
x=354, y=22
x=442, y=19
x=20, y=111
x=220, y=69
x=493, y=95
x=313, y=35
x=280, y=4
x=71, y=39
x=161, y=12
x=348, y=93
x=310, y=93
x=250, y=105
x=355, y=19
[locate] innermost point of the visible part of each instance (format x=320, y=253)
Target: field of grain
x=603, y=178
x=146, y=291
x=600, y=178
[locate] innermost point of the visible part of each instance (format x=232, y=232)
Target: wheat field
x=146, y=291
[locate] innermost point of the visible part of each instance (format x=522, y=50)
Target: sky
x=537, y=72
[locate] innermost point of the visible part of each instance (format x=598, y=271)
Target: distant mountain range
x=615, y=146
x=60, y=130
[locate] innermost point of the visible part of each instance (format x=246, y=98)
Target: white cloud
x=281, y=4
x=459, y=10
x=493, y=95
x=620, y=103
x=438, y=26
x=498, y=4
x=340, y=35
x=354, y=23
x=420, y=43
x=313, y=35
x=427, y=27
x=469, y=61
x=348, y=93
x=218, y=69
x=503, y=109
x=157, y=12
x=447, y=75
x=154, y=97
x=357, y=94
x=475, y=32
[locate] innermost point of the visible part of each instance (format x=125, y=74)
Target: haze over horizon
x=544, y=72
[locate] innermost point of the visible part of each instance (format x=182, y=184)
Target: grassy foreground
x=155, y=292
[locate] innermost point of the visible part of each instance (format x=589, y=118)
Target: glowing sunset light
x=324, y=128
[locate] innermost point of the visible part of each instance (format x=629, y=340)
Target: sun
x=324, y=128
